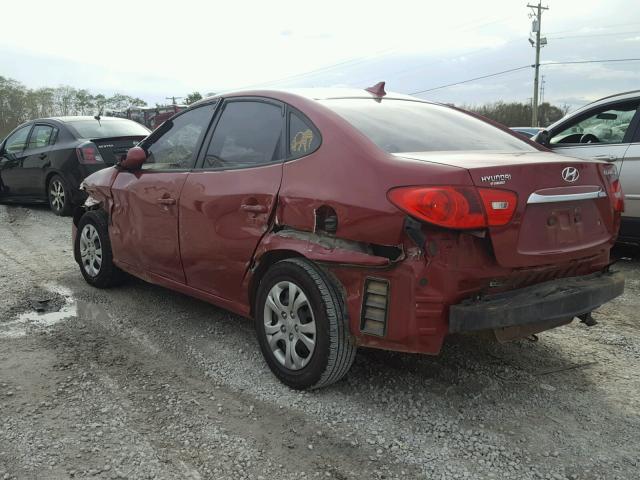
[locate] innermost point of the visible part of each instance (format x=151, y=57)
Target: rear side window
x=106, y=128
x=41, y=136
x=303, y=138
x=17, y=142
x=408, y=126
x=248, y=134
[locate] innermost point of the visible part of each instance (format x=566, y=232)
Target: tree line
x=19, y=103
x=517, y=114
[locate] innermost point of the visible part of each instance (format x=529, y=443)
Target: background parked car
x=46, y=159
x=607, y=129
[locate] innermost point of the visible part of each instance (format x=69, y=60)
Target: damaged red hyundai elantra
x=345, y=218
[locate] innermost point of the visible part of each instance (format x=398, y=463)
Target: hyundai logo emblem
x=570, y=174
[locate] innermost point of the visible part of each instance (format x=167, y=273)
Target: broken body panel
x=399, y=277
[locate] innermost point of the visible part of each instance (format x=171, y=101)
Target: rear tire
x=93, y=251
x=59, y=196
x=305, y=341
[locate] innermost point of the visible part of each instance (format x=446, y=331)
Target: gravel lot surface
x=141, y=382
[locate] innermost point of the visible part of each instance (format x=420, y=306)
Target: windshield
x=407, y=126
x=107, y=128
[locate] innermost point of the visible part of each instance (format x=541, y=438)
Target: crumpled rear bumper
x=559, y=299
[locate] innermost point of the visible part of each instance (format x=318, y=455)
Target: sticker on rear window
x=301, y=142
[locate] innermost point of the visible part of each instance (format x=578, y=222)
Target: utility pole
x=173, y=100
x=536, y=28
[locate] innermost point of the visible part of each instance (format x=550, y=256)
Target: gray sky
x=155, y=49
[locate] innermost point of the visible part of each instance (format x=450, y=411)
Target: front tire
x=59, y=196
x=301, y=325
x=93, y=251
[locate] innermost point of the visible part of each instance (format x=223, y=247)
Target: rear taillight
x=456, y=207
x=616, y=196
x=88, y=154
x=453, y=207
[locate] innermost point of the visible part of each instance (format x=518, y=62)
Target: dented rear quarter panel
x=352, y=175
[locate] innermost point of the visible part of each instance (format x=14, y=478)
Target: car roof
x=630, y=95
x=311, y=94
x=79, y=118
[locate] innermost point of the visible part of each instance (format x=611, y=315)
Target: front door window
x=17, y=142
x=175, y=145
x=604, y=127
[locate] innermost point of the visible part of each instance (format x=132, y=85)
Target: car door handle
x=166, y=201
x=42, y=156
x=254, y=208
x=606, y=158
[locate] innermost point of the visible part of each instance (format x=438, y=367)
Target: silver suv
x=607, y=129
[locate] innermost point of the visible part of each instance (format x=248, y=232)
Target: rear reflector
x=373, y=318
x=499, y=205
x=88, y=154
x=456, y=207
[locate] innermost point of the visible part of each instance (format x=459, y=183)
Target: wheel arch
x=47, y=178
x=261, y=266
x=270, y=258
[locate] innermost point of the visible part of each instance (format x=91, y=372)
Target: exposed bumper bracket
x=560, y=299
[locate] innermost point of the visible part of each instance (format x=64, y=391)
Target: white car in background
x=607, y=129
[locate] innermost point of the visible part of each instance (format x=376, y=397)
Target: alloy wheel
x=56, y=191
x=90, y=250
x=289, y=325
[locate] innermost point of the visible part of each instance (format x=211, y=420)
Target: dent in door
x=144, y=230
x=223, y=216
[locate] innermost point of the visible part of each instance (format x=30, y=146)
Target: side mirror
x=542, y=137
x=136, y=156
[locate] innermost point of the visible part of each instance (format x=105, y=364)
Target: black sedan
x=46, y=159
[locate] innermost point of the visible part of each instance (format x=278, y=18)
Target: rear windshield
x=107, y=128
x=408, y=126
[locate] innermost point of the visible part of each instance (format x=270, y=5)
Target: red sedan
x=345, y=218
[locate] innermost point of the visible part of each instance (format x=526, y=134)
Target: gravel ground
x=141, y=382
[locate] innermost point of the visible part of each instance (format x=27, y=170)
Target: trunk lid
x=563, y=211
x=113, y=148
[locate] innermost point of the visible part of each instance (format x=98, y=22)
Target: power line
x=595, y=35
x=354, y=61
x=598, y=26
x=472, y=79
x=572, y=62
x=468, y=27
x=610, y=60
